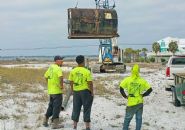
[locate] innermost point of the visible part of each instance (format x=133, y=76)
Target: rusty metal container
x=92, y=23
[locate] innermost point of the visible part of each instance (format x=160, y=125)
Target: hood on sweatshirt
x=135, y=71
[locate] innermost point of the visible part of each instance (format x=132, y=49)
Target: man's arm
x=123, y=93
x=147, y=92
x=61, y=82
x=71, y=84
x=90, y=84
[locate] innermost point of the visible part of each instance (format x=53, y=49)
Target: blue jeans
x=130, y=111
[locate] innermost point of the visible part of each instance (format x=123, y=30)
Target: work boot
x=45, y=121
x=56, y=124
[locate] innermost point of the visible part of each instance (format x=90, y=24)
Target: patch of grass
x=118, y=116
x=21, y=103
x=146, y=123
x=162, y=127
x=41, y=98
x=20, y=110
x=40, y=118
x=99, y=88
x=19, y=117
x=146, y=65
x=101, y=83
x=121, y=103
x=24, y=78
x=18, y=76
x=27, y=127
x=1, y=90
x=114, y=126
x=4, y=117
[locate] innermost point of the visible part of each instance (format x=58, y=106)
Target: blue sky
x=43, y=23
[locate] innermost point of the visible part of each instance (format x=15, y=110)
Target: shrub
x=163, y=60
x=137, y=60
x=147, y=60
x=127, y=60
x=152, y=59
x=141, y=59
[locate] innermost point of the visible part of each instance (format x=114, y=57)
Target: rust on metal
x=92, y=23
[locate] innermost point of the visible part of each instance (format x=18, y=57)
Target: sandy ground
x=107, y=111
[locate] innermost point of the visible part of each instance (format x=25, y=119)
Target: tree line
x=172, y=47
x=132, y=55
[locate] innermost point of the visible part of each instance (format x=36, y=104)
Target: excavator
x=100, y=23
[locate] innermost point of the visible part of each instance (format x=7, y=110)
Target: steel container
x=92, y=23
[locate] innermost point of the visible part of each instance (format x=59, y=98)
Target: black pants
x=85, y=99
x=54, y=106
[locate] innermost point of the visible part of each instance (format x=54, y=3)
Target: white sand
x=107, y=112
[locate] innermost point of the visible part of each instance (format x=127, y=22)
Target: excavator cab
x=110, y=57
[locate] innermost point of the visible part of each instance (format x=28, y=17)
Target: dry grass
x=20, y=102
x=18, y=76
x=19, y=117
x=27, y=80
x=12, y=62
x=40, y=98
x=24, y=86
x=101, y=83
x=4, y=117
x=146, y=65
x=23, y=78
x=30, y=80
x=99, y=88
x=146, y=123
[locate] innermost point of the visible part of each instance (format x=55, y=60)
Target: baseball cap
x=58, y=58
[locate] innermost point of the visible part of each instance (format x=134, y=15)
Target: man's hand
x=92, y=94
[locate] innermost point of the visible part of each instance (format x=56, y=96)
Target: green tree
x=173, y=47
x=144, y=50
x=137, y=54
x=134, y=55
x=128, y=53
x=156, y=48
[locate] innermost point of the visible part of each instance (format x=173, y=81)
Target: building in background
x=164, y=43
x=164, y=51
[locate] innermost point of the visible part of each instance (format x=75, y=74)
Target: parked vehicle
x=176, y=64
x=178, y=90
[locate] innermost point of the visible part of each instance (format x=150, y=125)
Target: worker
x=54, y=78
x=136, y=88
x=82, y=87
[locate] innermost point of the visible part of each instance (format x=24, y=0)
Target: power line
x=42, y=48
x=59, y=47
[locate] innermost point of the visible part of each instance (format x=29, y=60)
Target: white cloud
x=30, y=19
x=25, y=2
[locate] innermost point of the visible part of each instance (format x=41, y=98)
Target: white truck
x=176, y=64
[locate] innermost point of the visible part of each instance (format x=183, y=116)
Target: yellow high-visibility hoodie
x=135, y=86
